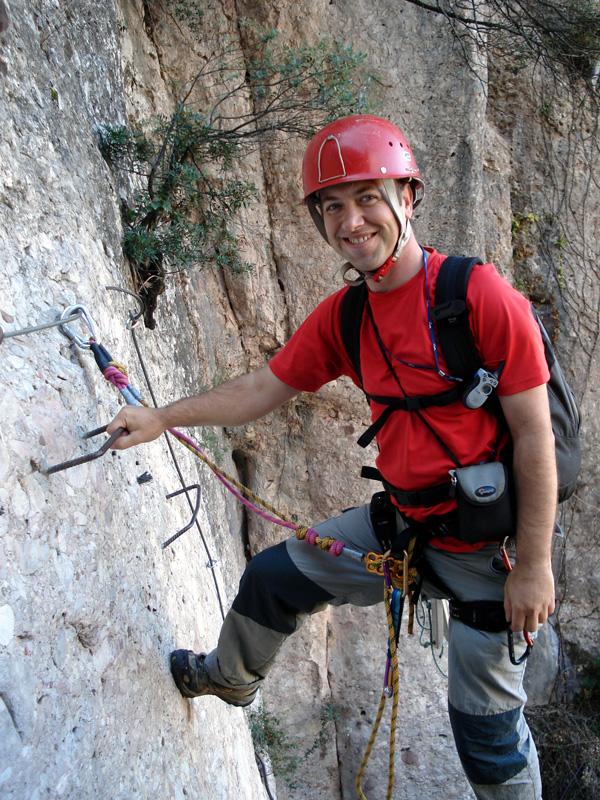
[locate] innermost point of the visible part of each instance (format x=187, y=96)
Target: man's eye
x=331, y=207
x=369, y=198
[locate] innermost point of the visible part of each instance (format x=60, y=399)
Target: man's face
x=360, y=225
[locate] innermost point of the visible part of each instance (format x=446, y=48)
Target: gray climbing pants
x=284, y=583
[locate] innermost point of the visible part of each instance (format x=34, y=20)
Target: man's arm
x=235, y=402
x=529, y=591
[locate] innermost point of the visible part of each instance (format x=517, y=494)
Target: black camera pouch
x=484, y=501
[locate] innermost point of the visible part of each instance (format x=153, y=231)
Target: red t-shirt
x=409, y=457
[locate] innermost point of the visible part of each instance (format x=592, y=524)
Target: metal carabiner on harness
x=527, y=636
x=511, y=648
x=66, y=330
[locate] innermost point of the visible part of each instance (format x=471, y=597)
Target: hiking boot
x=191, y=678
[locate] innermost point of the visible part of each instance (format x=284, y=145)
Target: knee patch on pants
x=273, y=590
x=490, y=747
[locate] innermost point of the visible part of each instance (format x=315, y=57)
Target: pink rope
x=116, y=377
x=234, y=491
x=337, y=546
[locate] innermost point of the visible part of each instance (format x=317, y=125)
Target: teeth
x=360, y=239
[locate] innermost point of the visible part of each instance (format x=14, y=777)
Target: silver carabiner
x=85, y=316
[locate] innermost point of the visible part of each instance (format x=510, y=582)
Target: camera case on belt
x=484, y=500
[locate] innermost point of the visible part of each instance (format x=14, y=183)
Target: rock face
x=90, y=605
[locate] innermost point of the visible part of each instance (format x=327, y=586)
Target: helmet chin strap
x=379, y=274
x=389, y=190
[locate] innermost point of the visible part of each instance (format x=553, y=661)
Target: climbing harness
x=483, y=615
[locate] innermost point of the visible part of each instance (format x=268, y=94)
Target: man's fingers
x=118, y=422
x=531, y=624
x=125, y=440
x=517, y=623
x=141, y=425
x=507, y=610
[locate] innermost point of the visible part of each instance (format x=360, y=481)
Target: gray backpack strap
x=566, y=420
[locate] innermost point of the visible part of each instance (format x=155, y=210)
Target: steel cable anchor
x=75, y=462
x=194, y=513
x=62, y=320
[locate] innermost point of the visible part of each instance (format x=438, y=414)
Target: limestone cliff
x=90, y=605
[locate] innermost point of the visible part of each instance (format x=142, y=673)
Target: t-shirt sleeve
x=505, y=331
x=315, y=353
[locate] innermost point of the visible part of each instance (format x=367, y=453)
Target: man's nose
x=353, y=218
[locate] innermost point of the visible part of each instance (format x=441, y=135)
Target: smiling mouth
x=358, y=240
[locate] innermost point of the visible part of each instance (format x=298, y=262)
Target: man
x=361, y=186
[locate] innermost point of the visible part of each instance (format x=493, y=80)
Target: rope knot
x=311, y=537
x=337, y=548
x=116, y=377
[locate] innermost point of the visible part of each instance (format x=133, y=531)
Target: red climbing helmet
x=359, y=148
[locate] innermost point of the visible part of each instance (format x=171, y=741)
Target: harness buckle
x=401, y=578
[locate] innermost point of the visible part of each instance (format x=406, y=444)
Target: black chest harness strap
x=406, y=403
x=452, y=321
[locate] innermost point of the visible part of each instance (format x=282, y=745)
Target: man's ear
x=406, y=197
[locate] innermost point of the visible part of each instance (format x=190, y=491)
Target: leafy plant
x=286, y=756
x=270, y=738
x=521, y=223
x=179, y=217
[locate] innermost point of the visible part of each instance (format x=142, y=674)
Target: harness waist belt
x=484, y=615
x=425, y=498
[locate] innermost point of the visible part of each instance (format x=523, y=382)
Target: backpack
x=456, y=342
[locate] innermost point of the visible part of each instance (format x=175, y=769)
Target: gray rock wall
x=90, y=605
